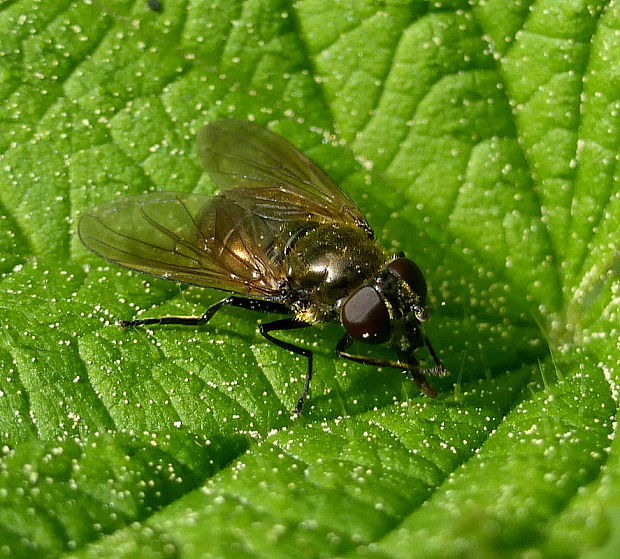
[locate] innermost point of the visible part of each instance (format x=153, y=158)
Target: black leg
x=418, y=376
x=438, y=369
x=233, y=301
x=411, y=365
x=346, y=341
x=249, y=304
x=291, y=324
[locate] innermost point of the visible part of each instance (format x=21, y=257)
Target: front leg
x=411, y=365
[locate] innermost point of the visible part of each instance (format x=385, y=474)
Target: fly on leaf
x=284, y=238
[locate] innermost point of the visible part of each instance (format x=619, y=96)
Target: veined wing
x=271, y=177
x=190, y=238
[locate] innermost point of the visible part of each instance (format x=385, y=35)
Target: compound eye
x=411, y=274
x=365, y=316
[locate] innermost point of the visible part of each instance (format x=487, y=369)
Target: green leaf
x=481, y=138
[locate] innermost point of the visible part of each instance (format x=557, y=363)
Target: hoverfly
x=284, y=238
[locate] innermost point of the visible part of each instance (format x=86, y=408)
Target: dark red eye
x=366, y=317
x=411, y=275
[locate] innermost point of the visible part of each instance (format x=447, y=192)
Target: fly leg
x=411, y=365
x=291, y=324
x=232, y=301
x=438, y=369
x=265, y=329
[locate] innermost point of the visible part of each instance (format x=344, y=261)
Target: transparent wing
x=206, y=241
x=271, y=177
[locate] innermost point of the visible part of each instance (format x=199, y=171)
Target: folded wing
x=223, y=241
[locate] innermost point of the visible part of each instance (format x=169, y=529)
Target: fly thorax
x=331, y=260
x=287, y=237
